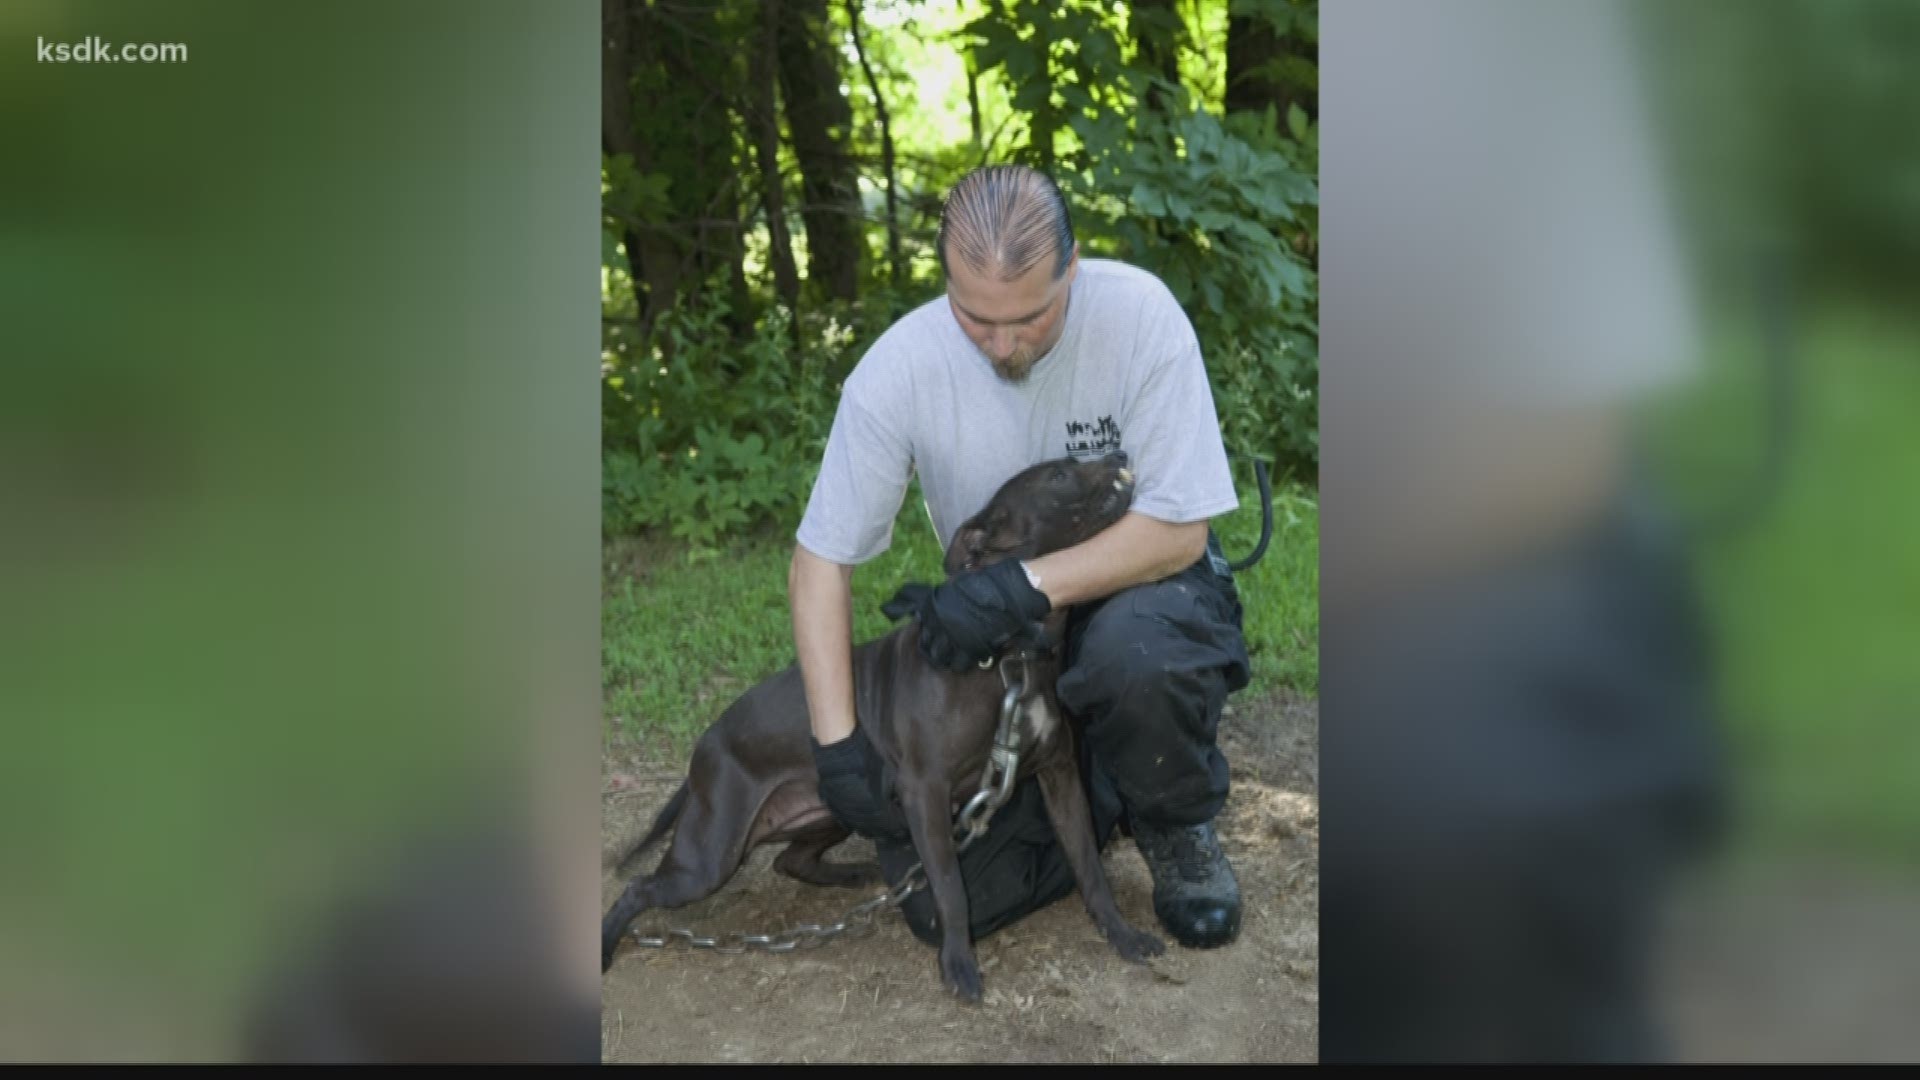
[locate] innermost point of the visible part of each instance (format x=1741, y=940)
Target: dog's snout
x=1118, y=457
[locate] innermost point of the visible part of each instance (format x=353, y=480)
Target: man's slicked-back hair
x=1004, y=219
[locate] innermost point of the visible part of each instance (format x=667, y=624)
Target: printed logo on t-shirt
x=1092, y=439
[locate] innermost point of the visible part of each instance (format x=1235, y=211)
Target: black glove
x=973, y=615
x=853, y=785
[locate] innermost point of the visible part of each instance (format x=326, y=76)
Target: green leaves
x=1286, y=18
x=1031, y=96
x=1225, y=202
x=1215, y=221
x=713, y=435
x=610, y=250
x=712, y=424
x=636, y=196
x=1179, y=281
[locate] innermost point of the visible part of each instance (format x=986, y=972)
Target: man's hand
x=853, y=785
x=972, y=615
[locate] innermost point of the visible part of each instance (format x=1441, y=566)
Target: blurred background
x=1796, y=161
x=1619, y=566
x=1798, y=174
x=297, y=528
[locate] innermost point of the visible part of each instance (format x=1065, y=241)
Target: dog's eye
x=1059, y=474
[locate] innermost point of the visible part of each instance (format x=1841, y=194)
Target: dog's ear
x=969, y=545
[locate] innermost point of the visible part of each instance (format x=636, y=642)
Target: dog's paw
x=1135, y=945
x=961, y=974
x=609, y=946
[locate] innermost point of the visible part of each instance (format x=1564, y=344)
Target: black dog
x=752, y=780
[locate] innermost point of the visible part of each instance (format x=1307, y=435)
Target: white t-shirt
x=1125, y=375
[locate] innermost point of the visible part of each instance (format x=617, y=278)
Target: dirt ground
x=1055, y=992
x=1804, y=959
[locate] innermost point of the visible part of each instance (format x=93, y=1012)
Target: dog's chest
x=1041, y=721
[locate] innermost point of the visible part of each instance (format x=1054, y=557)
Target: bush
x=710, y=436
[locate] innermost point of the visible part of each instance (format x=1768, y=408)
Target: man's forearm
x=1136, y=549
x=822, y=604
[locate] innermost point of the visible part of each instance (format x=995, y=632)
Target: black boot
x=1194, y=891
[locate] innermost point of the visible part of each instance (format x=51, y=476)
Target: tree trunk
x=973, y=100
x=653, y=263
x=766, y=129
x=742, y=310
x=1252, y=84
x=709, y=187
x=1157, y=32
x=894, y=263
x=820, y=121
x=1044, y=121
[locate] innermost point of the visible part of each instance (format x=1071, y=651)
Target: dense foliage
x=772, y=184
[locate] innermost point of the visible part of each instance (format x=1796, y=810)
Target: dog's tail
x=663, y=821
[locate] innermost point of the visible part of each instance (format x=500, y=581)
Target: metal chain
x=996, y=787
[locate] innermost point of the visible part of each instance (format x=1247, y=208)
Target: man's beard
x=1015, y=368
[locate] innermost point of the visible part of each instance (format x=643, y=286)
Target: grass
x=1280, y=593
x=681, y=636
x=1816, y=609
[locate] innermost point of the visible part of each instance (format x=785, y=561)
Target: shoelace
x=1190, y=851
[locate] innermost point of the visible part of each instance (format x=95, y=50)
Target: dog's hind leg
x=1072, y=821
x=661, y=823
x=709, y=843
x=802, y=860
x=675, y=884
x=633, y=900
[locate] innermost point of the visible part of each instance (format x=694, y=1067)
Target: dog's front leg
x=928, y=820
x=1072, y=821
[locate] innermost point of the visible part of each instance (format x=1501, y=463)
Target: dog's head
x=1053, y=505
